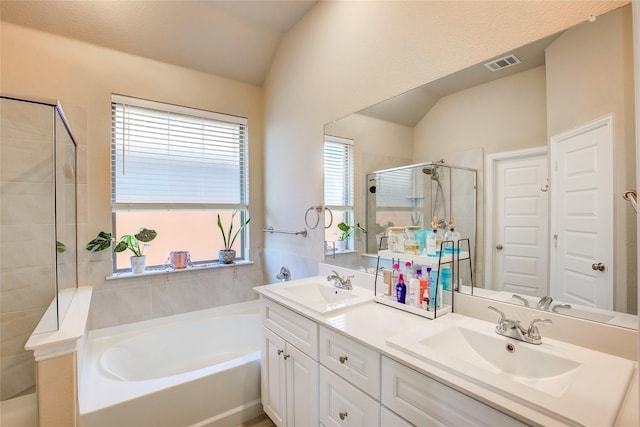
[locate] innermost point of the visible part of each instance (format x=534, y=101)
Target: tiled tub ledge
x=65, y=340
x=56, y=355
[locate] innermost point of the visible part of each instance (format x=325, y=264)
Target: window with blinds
x=338, y=183
x=174, y=169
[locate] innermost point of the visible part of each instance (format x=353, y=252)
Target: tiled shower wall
x=27, y=281
x=27, y=227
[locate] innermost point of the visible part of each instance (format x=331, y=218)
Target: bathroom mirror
x=477, y=117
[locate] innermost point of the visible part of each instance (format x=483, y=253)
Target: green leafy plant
x=128, y=241
x=227, y=237
x=347, y=230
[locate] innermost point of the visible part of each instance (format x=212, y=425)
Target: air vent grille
x=502, y=63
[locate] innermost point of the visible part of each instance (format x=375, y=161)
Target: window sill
x=348, y=251
x=153, y=272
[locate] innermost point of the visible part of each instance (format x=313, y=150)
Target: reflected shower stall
x=410, y=196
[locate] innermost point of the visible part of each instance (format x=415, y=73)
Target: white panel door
x=520, y=211
x=582, y=214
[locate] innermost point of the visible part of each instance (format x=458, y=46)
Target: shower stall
x=38, y=233
x=410, y=196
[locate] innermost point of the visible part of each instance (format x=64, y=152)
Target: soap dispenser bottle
x=401, y=290
x=432, y=238
x=453, y=236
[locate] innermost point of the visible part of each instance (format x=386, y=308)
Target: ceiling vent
x=502, y=63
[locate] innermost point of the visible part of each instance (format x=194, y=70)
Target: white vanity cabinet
x=289, y=367
x=426, y=402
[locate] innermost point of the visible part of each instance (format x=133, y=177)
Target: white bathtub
x=194, y=369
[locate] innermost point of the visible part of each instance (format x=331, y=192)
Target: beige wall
x=503, y=115
x=344, y=56
x=83, y=77
x=371, y=140
x=577, y=93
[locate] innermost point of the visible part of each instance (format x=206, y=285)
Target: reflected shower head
x=431, y=170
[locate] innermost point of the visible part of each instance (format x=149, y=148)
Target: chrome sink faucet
x=544, y=303
x=340, y=282
x=513, y=329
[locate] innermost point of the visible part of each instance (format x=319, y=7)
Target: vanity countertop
x=372, y=324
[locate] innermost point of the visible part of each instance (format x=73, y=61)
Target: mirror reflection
x=549, y=129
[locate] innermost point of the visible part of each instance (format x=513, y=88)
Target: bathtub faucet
x=285, y=274
x=340, y=282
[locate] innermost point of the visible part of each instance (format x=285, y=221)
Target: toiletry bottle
x=425, y=282
x=432, y=238
x=445, y=278
x=435, y=290
x=453, y=236
x=388, y=282
x=401, y=290
x=414, y=292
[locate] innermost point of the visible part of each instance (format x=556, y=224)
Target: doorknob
x=598, y=266
x=499, y=247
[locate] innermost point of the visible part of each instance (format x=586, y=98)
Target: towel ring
x=318, y=209
x=330, y=216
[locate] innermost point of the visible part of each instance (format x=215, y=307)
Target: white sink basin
x=570, y=383
x=319, y=295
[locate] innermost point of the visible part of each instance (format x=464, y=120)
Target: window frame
x=348, y=184
x=242, y=206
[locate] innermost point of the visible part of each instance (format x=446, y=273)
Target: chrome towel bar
x=271, y=230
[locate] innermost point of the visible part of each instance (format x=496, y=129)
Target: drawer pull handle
x=343, y=415
x=286, y=356
x=343, y=359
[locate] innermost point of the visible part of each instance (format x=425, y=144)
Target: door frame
x=489, y=202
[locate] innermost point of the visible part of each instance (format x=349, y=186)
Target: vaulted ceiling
x=233, y=39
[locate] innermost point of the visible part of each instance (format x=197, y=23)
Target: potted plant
x=346, y=230
x=128, y=241
x=227, y=255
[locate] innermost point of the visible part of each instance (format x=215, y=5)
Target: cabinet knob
x=343, y=415
x=499, y=247
x=280, y=352
x=598, y=266
x=343, y=359
x=286, y=356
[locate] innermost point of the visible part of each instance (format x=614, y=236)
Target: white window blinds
x=169, y=155
x=338, y=172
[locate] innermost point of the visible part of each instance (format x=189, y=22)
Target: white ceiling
x=233, y=39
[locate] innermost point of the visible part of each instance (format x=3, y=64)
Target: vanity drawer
x=389, y=418
x=426, y=402
x=341, y=404
x=293, y=327
x=356, y=363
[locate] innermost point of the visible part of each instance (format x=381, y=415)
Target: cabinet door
x=302, y=388
x=273, y=375
x=356, y=363
x=341, y=404
x=426, y=402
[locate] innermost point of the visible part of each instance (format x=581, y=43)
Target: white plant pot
x=138, y=264
x=341, y=245
x=226, y=256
